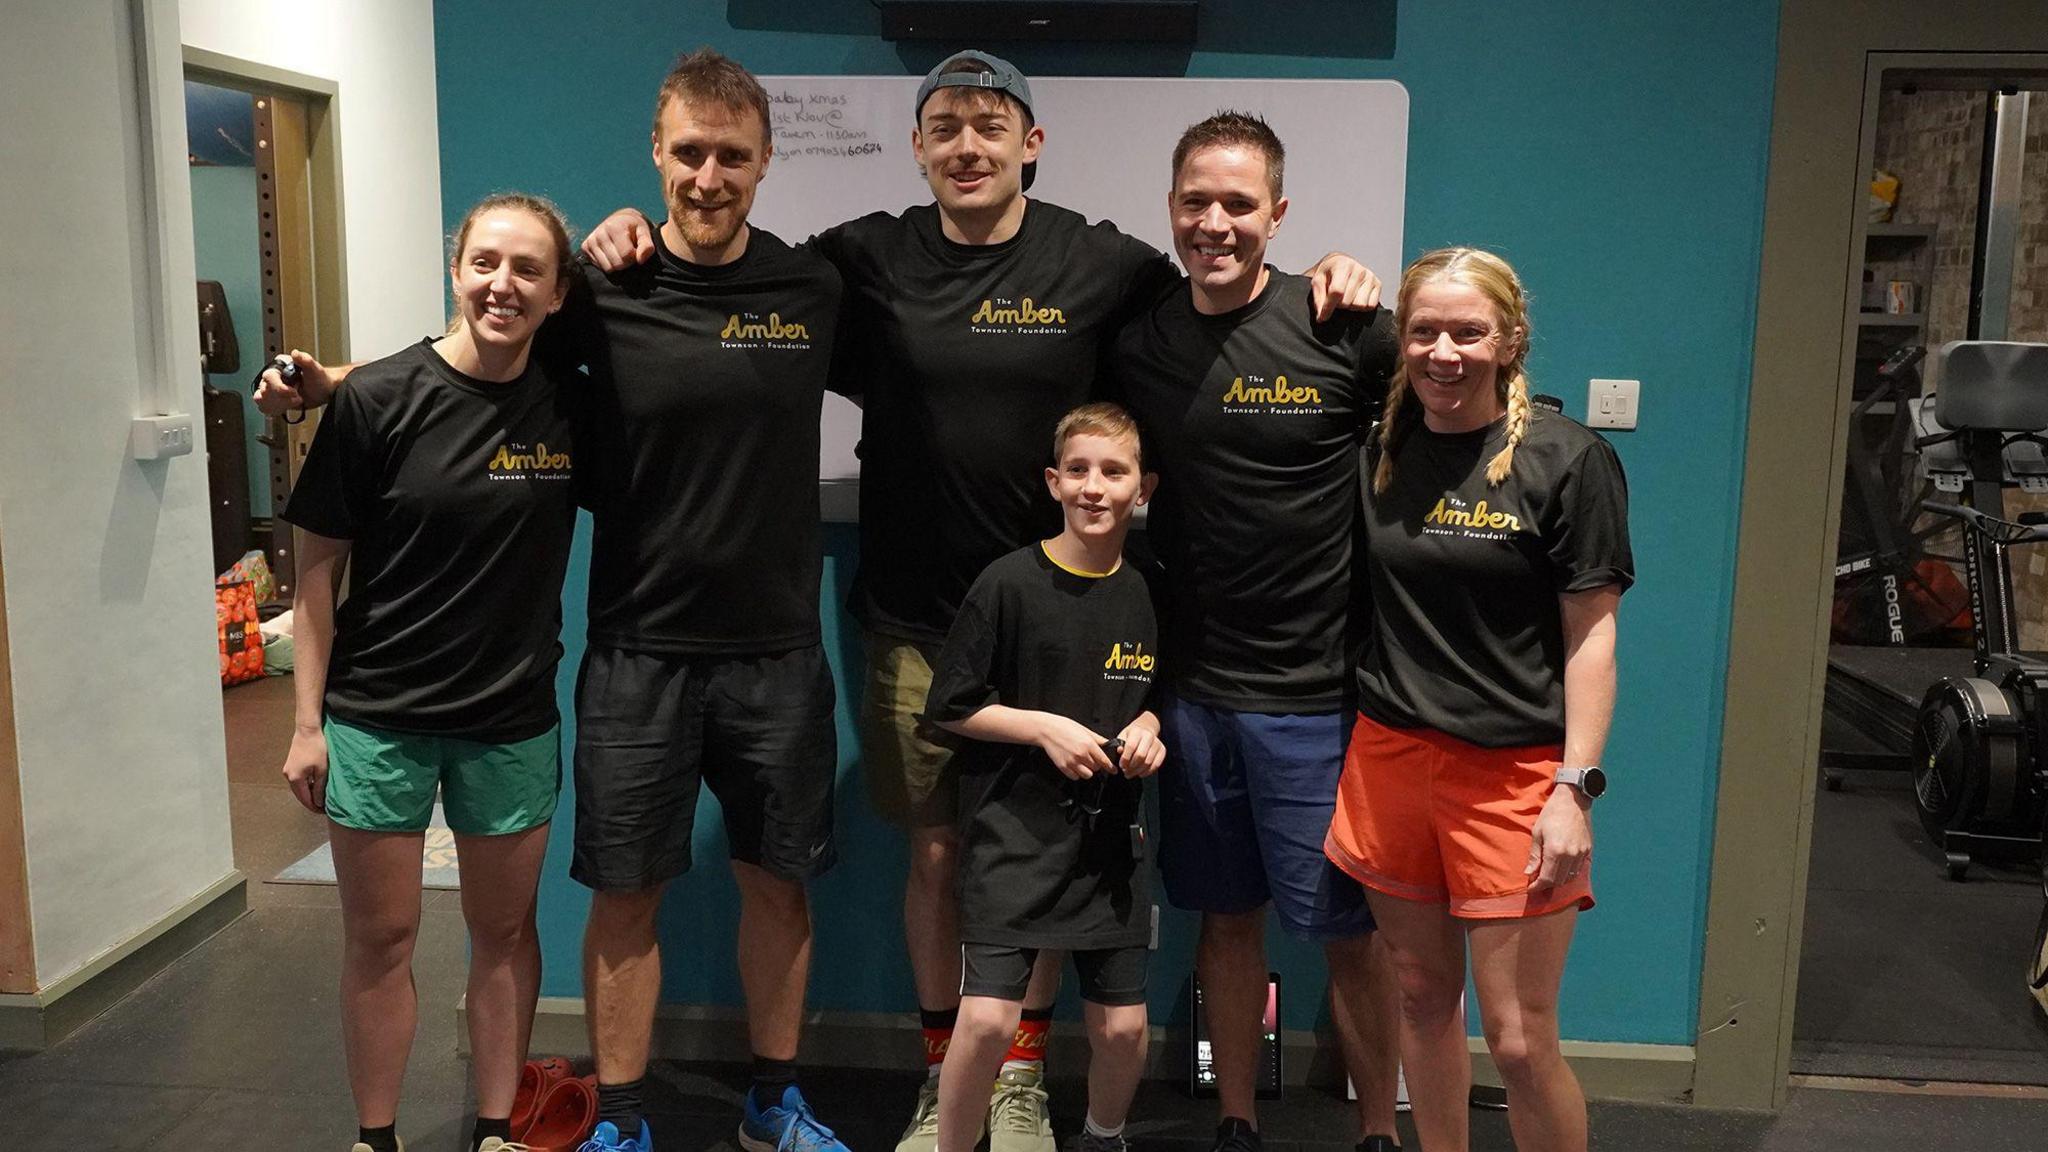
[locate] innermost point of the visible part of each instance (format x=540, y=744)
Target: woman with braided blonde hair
x=1496, y=555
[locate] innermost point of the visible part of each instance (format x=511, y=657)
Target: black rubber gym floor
x=236, y=1047
x=1903, y=973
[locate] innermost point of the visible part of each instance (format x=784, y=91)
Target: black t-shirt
x=702, y=448
x=1253, y=421
x=457, y=497
x=1469, y=638
x=1034, y=872
x=966, y=356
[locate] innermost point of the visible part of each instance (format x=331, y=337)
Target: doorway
x=1913, y=951
x=265, y=176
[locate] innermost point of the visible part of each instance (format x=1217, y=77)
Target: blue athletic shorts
x=1245, y=802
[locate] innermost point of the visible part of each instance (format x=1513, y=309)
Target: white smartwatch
x=1590, y=780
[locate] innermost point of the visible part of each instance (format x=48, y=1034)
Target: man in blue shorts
x=1253, y=412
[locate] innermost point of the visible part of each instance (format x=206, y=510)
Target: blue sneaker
x=787, y=1127
x=606, y=1139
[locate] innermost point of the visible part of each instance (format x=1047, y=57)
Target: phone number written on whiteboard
x=818, y=124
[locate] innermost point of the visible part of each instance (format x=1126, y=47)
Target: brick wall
x=1933, y=142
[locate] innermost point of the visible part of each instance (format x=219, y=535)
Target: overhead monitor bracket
x=977, y=21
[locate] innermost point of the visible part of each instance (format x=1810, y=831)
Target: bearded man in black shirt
x=1254, y=409
x=972, y=324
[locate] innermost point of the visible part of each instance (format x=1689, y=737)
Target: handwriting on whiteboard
x=821, y=124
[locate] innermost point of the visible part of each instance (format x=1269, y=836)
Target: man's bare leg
x=1365, y=1003
x=1230, y=960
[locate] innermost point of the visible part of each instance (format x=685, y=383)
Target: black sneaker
x=1378, y=1144
x=1237, y=1135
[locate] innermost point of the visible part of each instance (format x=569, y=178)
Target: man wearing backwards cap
x=971, y=325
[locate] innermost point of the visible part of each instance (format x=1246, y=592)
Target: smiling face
x=973, y=147
x=507, y=278
x=711, y=160
x=1098, y=483
x=1454, y=345
x=1224, y=212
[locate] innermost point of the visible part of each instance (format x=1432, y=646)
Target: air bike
x=1980, y=743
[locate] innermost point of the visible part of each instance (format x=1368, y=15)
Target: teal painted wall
x=224, y=244
x=1615, y=151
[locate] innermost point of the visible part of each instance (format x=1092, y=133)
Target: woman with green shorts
x=441, y=477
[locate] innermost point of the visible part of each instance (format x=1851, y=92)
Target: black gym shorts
x=649, y=727
x=1112, y=977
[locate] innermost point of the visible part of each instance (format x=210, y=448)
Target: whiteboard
x=842, y=149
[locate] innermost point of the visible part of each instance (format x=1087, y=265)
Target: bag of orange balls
x=241, y=641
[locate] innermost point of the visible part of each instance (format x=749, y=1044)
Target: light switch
x=1612, y=404
x=157, y=437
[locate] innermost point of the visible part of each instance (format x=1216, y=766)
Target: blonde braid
x=1518, y=426
x=1394, y=428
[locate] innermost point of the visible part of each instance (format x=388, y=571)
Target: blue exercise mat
x=437, y=860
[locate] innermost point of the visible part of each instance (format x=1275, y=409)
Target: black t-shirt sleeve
x=1588, y=535
x=337, y=486
x=1145, y=272
x=833, y=245
x=844, y=377
x=1379, y=350
x=962, y=680
x=561, y=345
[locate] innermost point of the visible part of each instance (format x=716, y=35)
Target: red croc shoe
x=535, y=1078
x=567, y=1113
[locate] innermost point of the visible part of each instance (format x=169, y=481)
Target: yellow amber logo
x=1002, y=315
x=1257, y=394
x=539, y=458
x=1479, y=516
x=1128, y=658
x=750, y=327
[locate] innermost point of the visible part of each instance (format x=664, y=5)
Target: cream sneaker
x=1017, y=1121
x=923, y=1133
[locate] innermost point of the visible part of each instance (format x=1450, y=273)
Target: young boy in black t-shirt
x=1053, y=651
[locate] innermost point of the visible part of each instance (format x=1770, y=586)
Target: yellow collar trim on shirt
x=1076, y=571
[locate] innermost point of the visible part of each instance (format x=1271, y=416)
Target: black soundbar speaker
x=1167, y=21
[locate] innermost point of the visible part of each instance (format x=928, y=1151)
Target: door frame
x=1791, y=499
x=320, y=325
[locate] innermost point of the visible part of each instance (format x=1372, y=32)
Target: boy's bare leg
x=1117, y=1036
x=980, y=1039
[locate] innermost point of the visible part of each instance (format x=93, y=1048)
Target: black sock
x=926, y=1018
x=1037, y=1013
x=621, y=1104
x=383, y=1139
x=770, y=1078
x=485, y=1129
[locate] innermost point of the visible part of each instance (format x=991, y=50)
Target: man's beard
x=706, y=229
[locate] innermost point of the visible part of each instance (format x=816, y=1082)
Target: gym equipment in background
x=1980, y=743
x=1202, y=1066
x=1888, y=589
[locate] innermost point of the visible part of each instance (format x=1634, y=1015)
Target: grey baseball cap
x=996, y=74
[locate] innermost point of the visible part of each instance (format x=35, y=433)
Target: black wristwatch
x=1590, y=780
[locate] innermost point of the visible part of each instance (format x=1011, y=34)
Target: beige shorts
x=908, y=765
